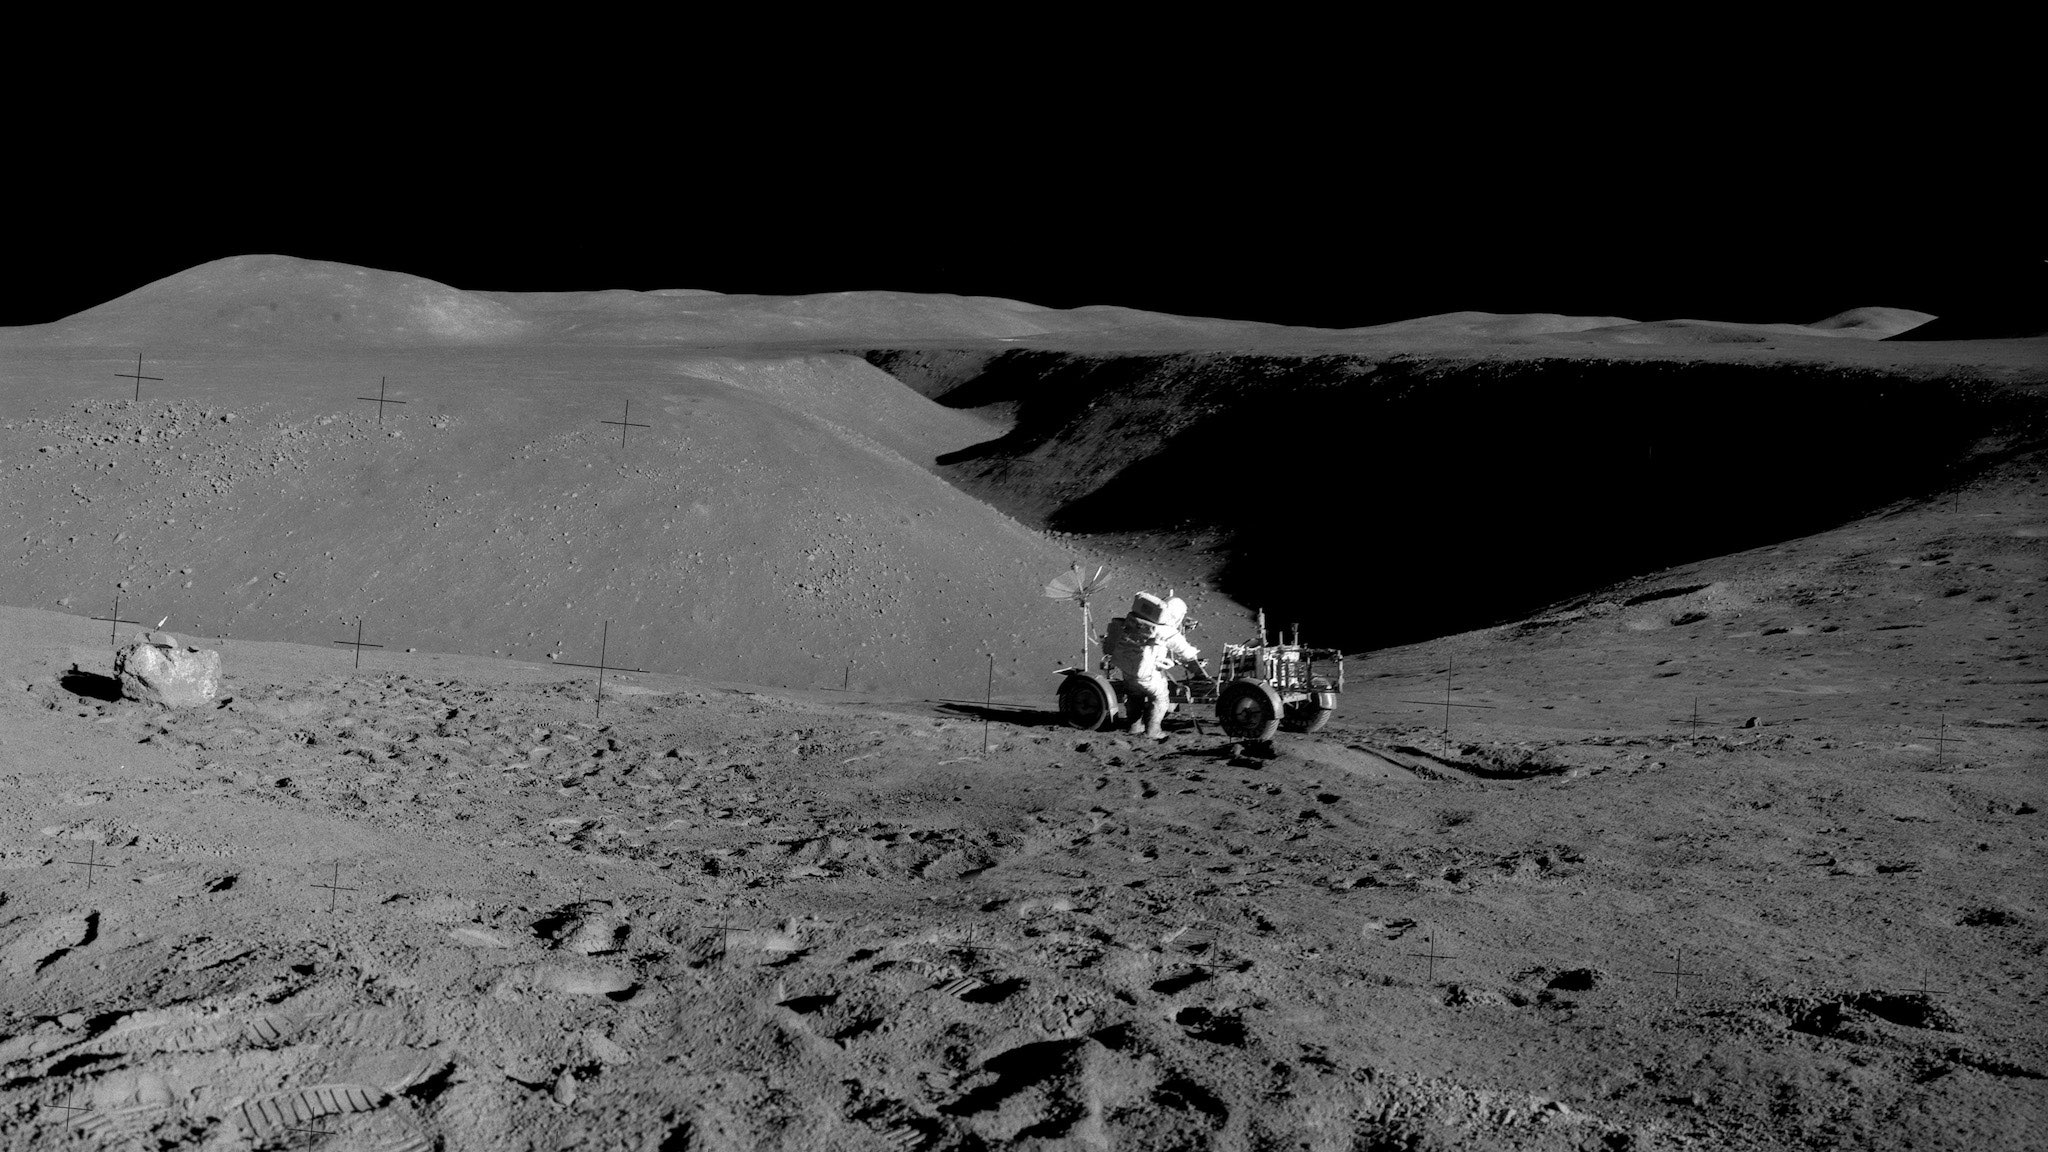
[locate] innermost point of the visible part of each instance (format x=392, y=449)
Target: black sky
x=1370, y=210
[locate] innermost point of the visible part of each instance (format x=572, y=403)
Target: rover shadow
x=1018, y=715
x=90, y=685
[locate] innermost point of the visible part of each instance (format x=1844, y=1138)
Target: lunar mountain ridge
x=797, y=491
x=273, y=301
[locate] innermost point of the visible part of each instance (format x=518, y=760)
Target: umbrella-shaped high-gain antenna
x=1075, y=584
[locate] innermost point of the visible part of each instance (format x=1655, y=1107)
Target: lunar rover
x=1259, y=688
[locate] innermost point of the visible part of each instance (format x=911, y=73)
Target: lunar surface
x=1715, y=822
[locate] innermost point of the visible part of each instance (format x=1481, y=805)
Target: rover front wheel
x=1248, y=710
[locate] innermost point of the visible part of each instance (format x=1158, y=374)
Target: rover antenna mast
x=1078, y=586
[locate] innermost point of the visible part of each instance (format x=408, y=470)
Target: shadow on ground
x=1006, y=713
x=91, y=685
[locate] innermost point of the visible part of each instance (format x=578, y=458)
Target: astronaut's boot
x=1154, y=719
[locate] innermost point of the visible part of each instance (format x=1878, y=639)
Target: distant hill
x=2012, y=321
x=282, y=301
x=1873, y=323
x=260, y=301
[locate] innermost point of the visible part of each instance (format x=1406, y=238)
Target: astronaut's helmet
x=1175, y=611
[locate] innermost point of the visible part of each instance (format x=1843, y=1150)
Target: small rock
x=596, y=936
x=584, y=981
x=1749, y=723
x=478, y=937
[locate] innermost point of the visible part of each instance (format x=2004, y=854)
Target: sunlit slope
x=774, y=522
x=254, y=302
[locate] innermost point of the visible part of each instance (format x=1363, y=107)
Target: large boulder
x=155, y=668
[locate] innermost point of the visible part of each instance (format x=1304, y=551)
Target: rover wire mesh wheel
x=1311, y=714
x=1248, y=710
x=1086, y=702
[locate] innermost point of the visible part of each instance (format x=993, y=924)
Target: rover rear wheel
x=1311, y=714
x=1086, y=702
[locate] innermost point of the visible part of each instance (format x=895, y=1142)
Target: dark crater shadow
x=1469, y=491
x=1015, y=1070
x=1173, y=984
x=430, y=1089
x=1184, y=1095
x=1215, y=1027
x=1574, y=980
x=1543, y=480
x=1907, y=1011
x=78, y=1062
x=994, y=993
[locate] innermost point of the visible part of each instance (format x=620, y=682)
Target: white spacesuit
x=1143, y=645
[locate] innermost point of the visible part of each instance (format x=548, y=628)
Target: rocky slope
x=1741, y=855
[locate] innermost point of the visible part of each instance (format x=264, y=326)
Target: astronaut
x=1143, y=645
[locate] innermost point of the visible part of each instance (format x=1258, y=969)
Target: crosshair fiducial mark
x=90, y=862
x=1923, y=990
x=334, y=888
x=116, y=620
x=725, y=932
x=380, y=400
x=1941, y=739
x=138, y=377
x=1433, y=956
x=604, y=642
x=1693, y=723
x=1677, y=972
x=358, y=643
x=625, y=423
x=1447, y=703
x=71, y=1109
